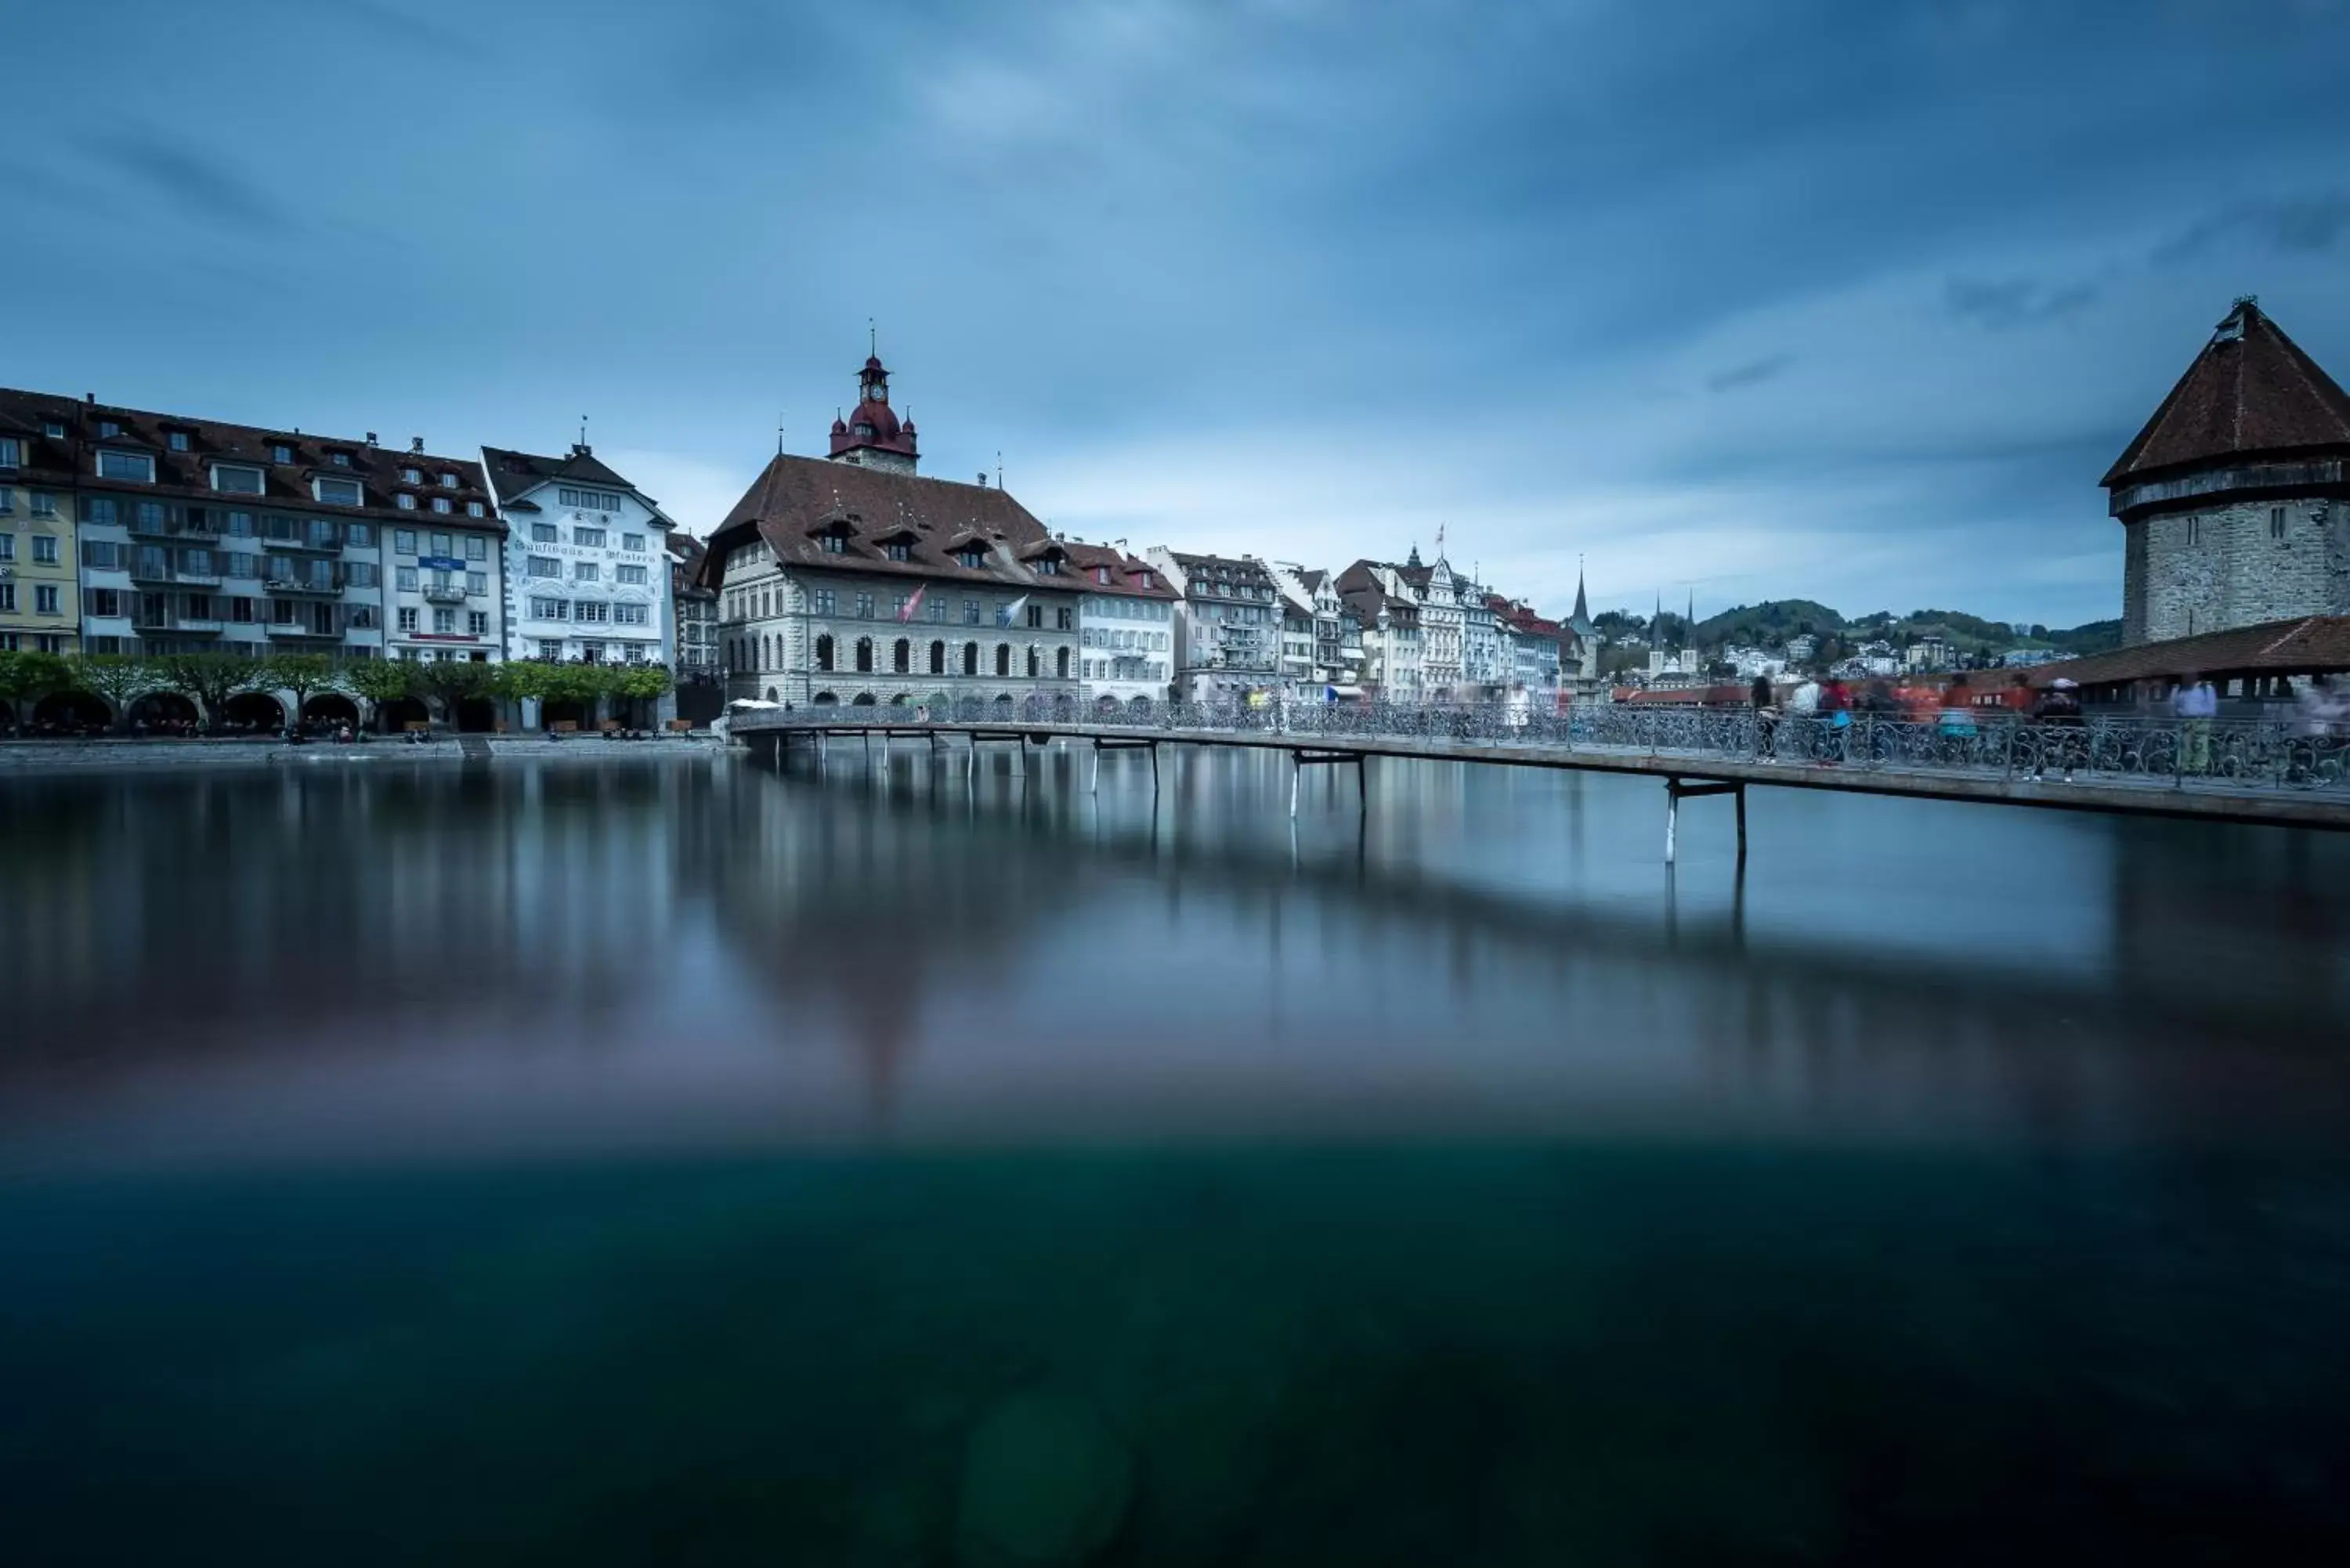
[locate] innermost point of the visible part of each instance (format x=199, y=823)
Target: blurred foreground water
x=671, y=1160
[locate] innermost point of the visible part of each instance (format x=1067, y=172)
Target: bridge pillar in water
x=1678, y=789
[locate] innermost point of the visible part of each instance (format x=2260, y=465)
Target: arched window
x=1003, y=659
x=767, y=646
x=901, y=657
x=1036, y=662
x=824, y=651
x=865, y=655
x=971, y=659
x=938, y=659
x=1061, y=665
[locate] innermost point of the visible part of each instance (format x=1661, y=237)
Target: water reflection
x=680, y=1160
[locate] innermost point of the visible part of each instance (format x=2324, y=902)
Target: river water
x=613, y=1160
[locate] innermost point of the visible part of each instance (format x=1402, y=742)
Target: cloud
x=206, y=187
x=2300, y=225
x=1997, y=305
x=1753, y=373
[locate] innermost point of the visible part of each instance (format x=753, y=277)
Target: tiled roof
x=797, y=500
x=686, y=553
x=2275, y=647
x=2252, y=391
x=512, y=473
x=183, y=474
x=1126, y=573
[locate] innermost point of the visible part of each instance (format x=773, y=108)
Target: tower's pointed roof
x=2251, y=391
x=1580, y=622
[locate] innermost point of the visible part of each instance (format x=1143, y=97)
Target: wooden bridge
x=2206, y=781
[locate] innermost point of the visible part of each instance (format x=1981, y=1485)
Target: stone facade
x=2236, y=565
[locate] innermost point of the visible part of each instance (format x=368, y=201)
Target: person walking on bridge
x=2195, y=705
x=2057, y=712
x=1765, y=699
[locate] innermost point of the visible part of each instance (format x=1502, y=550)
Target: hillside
x=1773, y=621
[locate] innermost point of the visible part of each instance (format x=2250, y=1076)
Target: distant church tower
x=871, y=436
x=2235, y=498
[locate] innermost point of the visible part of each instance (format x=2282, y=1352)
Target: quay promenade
x=2247, y=770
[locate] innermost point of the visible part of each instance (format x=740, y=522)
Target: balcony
x=444, y=594
x=278, y=582
x=304, y=631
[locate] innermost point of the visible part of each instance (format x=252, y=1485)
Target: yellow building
x=40, y=591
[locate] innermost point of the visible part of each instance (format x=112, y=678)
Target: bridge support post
x=1677, y=790
x=1300, y=759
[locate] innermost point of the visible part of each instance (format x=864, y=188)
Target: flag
x=906, y=611
x=1010, y=614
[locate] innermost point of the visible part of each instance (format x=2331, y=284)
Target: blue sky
x=1849, y=301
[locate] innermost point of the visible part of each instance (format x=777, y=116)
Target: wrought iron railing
x=1981, y=744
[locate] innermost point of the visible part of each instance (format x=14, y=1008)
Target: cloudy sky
x=1847, y=301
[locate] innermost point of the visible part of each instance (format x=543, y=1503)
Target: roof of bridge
x=2304, y=646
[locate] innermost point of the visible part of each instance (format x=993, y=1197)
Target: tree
x=24, y=676
x=210, y=679
x=299, y=674
x=117, y=680
x=635, y=683
x=525, y=679
x=382, y=682
x=446, y=682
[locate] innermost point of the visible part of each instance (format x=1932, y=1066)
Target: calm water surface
x=675, y=1161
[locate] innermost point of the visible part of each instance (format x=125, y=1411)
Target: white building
x=1126, y=628
x=1437, y=590
x=587, y=562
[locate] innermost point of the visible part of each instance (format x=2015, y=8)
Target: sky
x=1845, y=301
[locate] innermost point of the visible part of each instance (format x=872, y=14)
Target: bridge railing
x=2230, y=754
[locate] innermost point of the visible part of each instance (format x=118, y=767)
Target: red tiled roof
x=184, y=474
x=1126, y=573
x=2251, y=391
x=797, y=500
x=2306, y=646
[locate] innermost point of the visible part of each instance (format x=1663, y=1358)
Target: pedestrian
x=2057, y=712
x=2322, y=715
x=1765, y=700
x=1957, y=727
x=2196, y=703
x=1836, y=702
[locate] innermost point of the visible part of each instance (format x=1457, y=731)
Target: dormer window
x=236, y=479
x=1101, y=576
x=899, y=550
x=335, y=492
x=135, y=466
x=1050, y=567
x=53, y=428
x=833, y=543
x=1145, y=580
x=411, y=476
x=406, y=502
x=448, y=482
x=177, y=440
x=440, y=503
x=971, y=557
x=340, y=460
x=12, y=452
x=281, y=454
x=107, y=430
x=473, y=509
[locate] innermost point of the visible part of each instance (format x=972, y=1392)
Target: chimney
x=983, y=480
x=416, y=445
x=370, y=439
x=91, y=397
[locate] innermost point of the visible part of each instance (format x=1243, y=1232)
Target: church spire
x=872, y=436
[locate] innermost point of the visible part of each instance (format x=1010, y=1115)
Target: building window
x=107, y=430
x=404, y=501
x=938, y=659
x=2276, y=522
x=1036, y=662
x=476, y=548
x=970, y=559
x=12, y=452
x=408, y=620
x=134, y=466
x=1003, y=660
x=236, y=479
x=899, y=550
x=335, y=492
x=820, y=600
x=1061, y=664
x=341, y=459
x=281, y=454
x=359, y=573
x=444, y=622
x=594, y=610
x=550, y=610
x=448, y=482
x=8, y=599
x=44, y=599
x=2194, y=530
x=584, y=572
x=588, y=538
x=477, y=583
x=634, y=576
x=584, y=500
x=832, y=543
x=1065, y=618
x=550, y=649
x=971, y=659
x=403, y=578
x=441, y=545
x=359, y=535
x=591, y=653
x=473, y=509
x=971, y=612
x=629, y=615
x=404, y=541
x=1048, y=568
x=478, y=622
x=440, y=503
x=865, y=655
x=1036, y=617
x=865, y=607
x=176, y=440
x=411, y=476
x=45, y=549
x=542, y=567
x=901, y=657
x=824, y=651
x=633, y=542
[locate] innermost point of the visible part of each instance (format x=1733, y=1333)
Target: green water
x=685, y=1167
